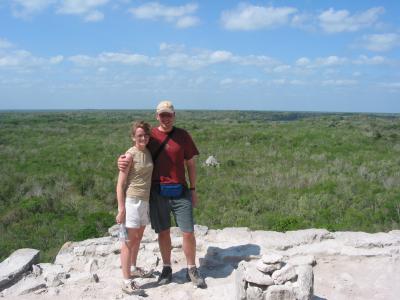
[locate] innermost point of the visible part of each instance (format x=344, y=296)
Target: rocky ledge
x=237, y=263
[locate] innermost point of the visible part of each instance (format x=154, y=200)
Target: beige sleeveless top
x=139, y=176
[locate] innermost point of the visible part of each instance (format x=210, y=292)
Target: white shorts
x=137, y=213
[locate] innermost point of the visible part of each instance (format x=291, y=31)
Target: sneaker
x=194, y=276
x=142, y=273
x=165, y=276
x=131, y=288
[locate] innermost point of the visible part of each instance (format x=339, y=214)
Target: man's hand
x=123, y=162
x=194, y=198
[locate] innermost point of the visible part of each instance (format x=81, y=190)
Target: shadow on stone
x=220, y=263
x=317, y=298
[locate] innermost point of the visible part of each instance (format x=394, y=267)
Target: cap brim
x=165, y=110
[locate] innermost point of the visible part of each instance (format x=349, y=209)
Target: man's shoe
x=131, y=288
x=165, y=276
x=194, y=276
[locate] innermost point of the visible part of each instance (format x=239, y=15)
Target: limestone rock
x=12, y=268
x=254, y=276
x=302, y=260
x=272, y=258
x=211, y=161
x=303, y=287
x=239, y=281
x=254, y=293
x=268, y=268
x=279, y=292
x=287, y=273
x=25, y=286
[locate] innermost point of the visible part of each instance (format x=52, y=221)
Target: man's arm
x=123, y=162
x=191, y=169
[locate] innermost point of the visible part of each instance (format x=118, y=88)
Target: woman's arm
x=121, y=188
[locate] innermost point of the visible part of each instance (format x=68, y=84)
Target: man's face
x=166, y=120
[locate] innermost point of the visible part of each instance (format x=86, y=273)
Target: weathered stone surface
x=12, y=268
x=285, y=274
x=303, y=287
x=211, y=161
x=239, y=281
x=272, y=258
x=257, y=277
x=302, y=260
x=268, y=268
x=25, y=286
x=367, y=240
x=53, y=274
x=254, y=293
x=279, y=292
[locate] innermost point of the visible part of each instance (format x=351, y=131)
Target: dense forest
x=278, y=171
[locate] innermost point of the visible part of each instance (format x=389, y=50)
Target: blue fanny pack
x=173, y=190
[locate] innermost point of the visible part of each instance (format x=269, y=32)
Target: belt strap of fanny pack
x=157, y=153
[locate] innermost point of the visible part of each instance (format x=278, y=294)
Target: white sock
x=127, y=281
x=133, y=268
x=166, y=265
x=191, y=266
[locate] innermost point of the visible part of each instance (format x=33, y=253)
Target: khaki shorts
x=137, y=213
x=162, y=207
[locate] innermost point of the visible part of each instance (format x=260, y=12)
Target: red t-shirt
x=169, y=166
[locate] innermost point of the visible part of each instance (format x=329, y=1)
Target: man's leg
x=189, y=247
x=164, y=241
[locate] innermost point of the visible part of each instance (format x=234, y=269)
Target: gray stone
x=254, y=276
x=268, y=268
x=200, y=230
x=254, y=293
x=303, y=287
x=302, y=260
x=239, y=281
x=211, y=161
x=92, y=266
x=13, y=267
x=272, y=258
x=285, y=274
x=53, y=274
x=25, y=286
x=279, y=292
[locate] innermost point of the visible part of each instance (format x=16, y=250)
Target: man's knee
x=164, y=234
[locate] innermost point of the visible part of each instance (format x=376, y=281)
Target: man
x=173, y=150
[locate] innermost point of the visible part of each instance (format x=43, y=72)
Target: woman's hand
x=120, y=218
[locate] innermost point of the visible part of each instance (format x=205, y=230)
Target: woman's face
x=141, y=138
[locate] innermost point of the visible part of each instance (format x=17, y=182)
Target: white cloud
x=187, y=21
x=251, y=17
x=27, y=8
x=94, y=16
x=226, y=81
x=181, y=16
x=56, y=59
x=303, y=61
x=333, y=21
x=85, y=8
x=282, y=68
x=25, y=60
x=381, y=42
x=365, y=60
x=339, y=82
x=110, y=57
x=391, y=85
x=332, y=60
x=5, y=44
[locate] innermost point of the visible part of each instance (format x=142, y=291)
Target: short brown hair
x=140, y=124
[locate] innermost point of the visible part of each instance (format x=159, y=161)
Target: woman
x=133, y=191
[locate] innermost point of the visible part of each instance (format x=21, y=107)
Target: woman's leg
x=126, y=259
x=135, y=236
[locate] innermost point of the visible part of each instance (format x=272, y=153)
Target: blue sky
x=314, y=55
